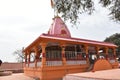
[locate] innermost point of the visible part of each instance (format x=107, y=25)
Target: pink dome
x=59, y=28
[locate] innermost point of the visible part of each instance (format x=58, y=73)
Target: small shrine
x=56, y=53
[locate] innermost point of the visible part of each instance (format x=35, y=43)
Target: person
x=0, y=62
x=92, y=58
x=119, y=59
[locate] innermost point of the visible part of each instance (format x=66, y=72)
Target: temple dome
x=59, y=28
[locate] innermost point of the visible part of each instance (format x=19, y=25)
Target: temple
x=53, y=55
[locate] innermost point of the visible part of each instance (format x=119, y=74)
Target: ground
x=112, y=74
x=19, y=76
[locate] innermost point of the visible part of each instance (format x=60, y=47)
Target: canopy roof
x=47, y=38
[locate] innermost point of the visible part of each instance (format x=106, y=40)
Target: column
x=87, y=54
x=63, y=55
x=36, y=55
x=25, y=58
x=114, y=53
x=43, y=46
x=106, y=52
x=28, y=58
x=97, y=49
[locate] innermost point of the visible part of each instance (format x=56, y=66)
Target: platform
x=112, y=74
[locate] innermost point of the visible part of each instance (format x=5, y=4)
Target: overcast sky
x=22, y=21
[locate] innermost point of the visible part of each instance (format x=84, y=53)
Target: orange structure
x=55, y=54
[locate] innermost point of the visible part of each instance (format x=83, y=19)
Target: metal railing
x=31, y=64
x=74, y=62
x=54, y=63
x=39, y=64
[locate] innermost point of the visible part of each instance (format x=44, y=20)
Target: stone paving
x=113, y=74
x=18, y=76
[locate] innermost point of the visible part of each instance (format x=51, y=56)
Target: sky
x=22, y=21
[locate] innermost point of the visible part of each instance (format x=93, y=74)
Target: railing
x=26, y=64
x=52, y=55
x=31, y=64
x=39, y=64
x=111, y=59
x=53, y=63
x=76, y=62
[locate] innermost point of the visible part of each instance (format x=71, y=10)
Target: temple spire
x=59, y=28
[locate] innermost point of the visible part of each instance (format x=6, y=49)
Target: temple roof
x=47, y=37
x=78, y=40
x=59, y=28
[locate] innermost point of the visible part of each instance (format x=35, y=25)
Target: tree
x=19, y=55
x=115, y=38
x=70, y=9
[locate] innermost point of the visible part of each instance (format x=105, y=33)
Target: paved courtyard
x=112, y=74
x=19, y=76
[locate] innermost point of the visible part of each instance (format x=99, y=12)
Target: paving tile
x=18, y=76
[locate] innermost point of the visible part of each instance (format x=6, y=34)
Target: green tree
x=115, y=38
x=70, y=9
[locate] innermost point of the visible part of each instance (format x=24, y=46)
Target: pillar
x=87, y=54
x=36, y=55
x=25, y=59
x=28, y=53
x=106, y=52
x=97, y=49
x=114, y=53
x=43, y=46
x=63, y=55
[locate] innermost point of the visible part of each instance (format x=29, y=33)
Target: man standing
x=0, y=62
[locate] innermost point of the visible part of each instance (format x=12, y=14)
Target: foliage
x=70, y=9
x=115, y=38
x=19, y=55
